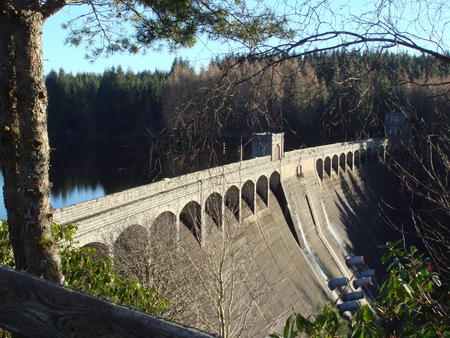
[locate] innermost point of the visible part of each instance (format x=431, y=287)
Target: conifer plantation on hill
x=321, y=98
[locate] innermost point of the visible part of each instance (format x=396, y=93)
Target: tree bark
x=24, y=139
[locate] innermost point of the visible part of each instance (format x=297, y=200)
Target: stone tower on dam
x=236, y=247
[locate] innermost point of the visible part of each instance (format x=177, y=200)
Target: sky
x=58, y=55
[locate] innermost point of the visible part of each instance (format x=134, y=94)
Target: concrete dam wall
x=330, y=220
x=281, y=256
x=235, y=248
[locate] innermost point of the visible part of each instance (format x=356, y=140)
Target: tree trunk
x=24, y=140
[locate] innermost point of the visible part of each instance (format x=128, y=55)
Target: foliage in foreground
x=83, y=269
x=327, y=323
x=412, y=303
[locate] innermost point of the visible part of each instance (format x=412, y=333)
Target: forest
x=321, y=98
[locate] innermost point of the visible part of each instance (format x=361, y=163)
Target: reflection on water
x=83, y=172
x=75, y=195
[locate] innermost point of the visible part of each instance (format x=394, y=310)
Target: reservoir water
x=83, y=172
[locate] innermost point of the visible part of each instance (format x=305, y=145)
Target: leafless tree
x=399, y=26
x=421, y=162
x=213, y=280
x=106, y=27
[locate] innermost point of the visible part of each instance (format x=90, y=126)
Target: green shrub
x=83, y=269
x=412, y=303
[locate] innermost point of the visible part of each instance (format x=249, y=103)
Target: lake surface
x=83, y=172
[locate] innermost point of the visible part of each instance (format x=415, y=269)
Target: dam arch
x=350, y=160
x=275, y=185
x=191, y=217
x=275, y=181
x=262, y=187
x=319, y=168
x=363, y=155
x=381, y=154
x=214, y=208
x=248, y=194
x=342, y=161
x=131, y=251
x=357, y=159
x=327, y=166
x=376, y=155
x=164, y=235
x=335, y=164
x=102, y=249
x=232, y=201
x=370, y=156
x=164, y=225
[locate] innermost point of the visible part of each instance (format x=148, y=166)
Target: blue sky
x=59, y=55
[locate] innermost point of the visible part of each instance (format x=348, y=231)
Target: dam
x=236, y=248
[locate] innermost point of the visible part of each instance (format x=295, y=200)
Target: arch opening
x=191, y=217
x=262, y=189
x=386, y=155
x=101, y=249
x=342, y=161
x=248, y=194
x=357, y=160
x=335, y=164
x=275, y=182
x=163, y=236
x=380, y=154
x=131, y=252
x=350, y=160
x=164, y=226
x=369, y=155
x=319, y=168
x=363, y=157
x=232, y=201
x=213, y=208
x=327, y=166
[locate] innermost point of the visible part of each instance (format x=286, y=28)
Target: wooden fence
x=33, y=307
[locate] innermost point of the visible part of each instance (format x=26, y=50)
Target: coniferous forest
x=322, y=98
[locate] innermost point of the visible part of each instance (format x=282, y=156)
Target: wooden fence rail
x=34, y=307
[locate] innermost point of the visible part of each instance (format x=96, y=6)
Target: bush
x=85, y=270
x=413, y=302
